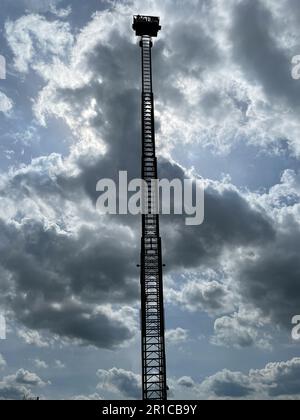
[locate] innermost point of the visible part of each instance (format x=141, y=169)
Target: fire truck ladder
x=152, y=310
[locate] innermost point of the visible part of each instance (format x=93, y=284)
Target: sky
x=227, y=110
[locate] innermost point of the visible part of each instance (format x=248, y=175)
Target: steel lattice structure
x=152, y=304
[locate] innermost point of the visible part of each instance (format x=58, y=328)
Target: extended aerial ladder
x=152, y=303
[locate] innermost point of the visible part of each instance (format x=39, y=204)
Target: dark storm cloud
x=97, y=264
x=187, y=51
x=193, y=50
x=230, y=221
x=76, y=321
x=122, y=138
x=257, y=51
x=271, y=281
x=45, y=261
x=56, y=278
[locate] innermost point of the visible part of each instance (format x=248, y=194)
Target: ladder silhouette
x=152, y=304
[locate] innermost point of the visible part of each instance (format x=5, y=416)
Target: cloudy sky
x=227, y=110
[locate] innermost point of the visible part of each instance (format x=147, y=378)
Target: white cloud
x=40, y=364
x=186, y=382
x=59, y=364
x=25, y=378
x=37, y=42
x=242, y=329
x=206, y=291
x=6, y=104
x=20, y=385
x=275, y=381
x=60, y=12
x=33, y=338
x=122, y=382
x=177, y=336
x=282, y=197
x=220, y=105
